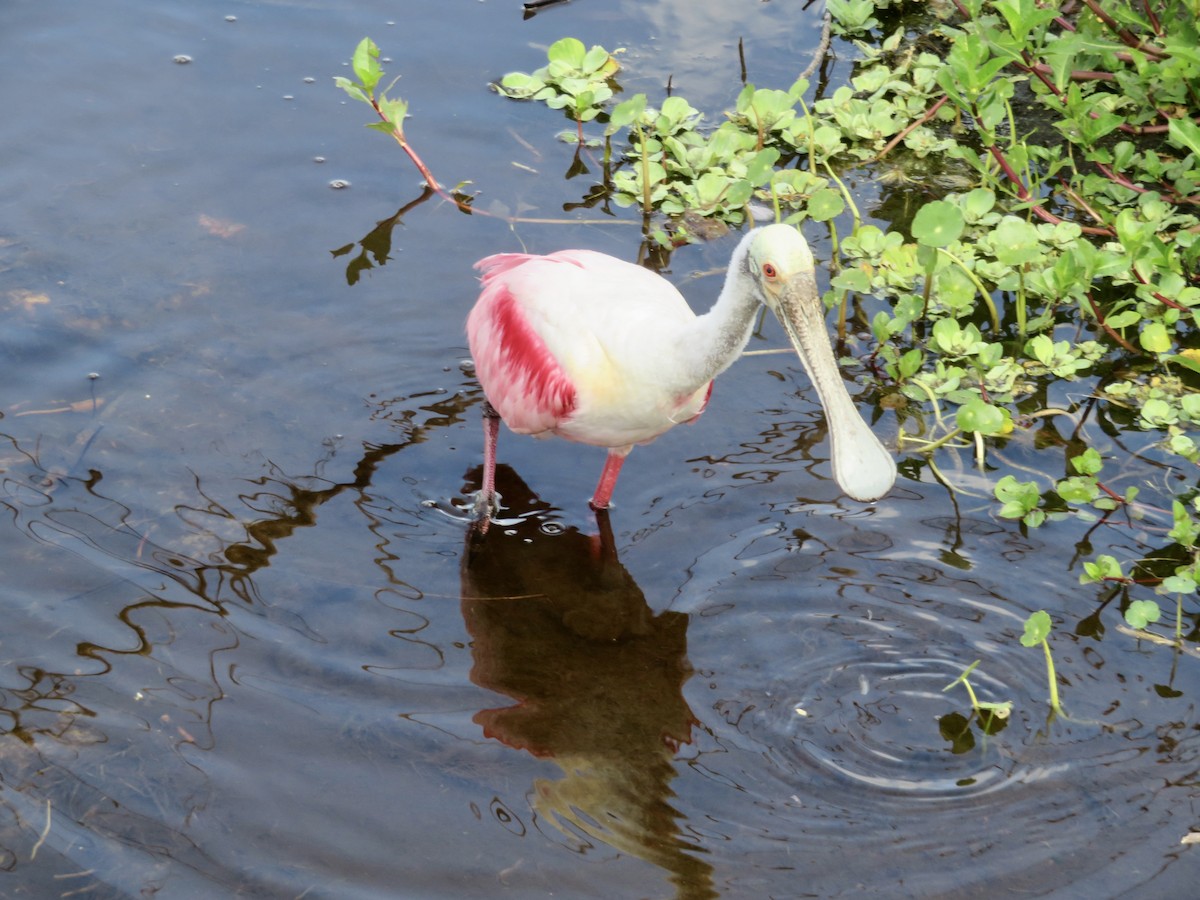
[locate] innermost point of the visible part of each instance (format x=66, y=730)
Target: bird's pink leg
x=487, y=504
x=608, y=478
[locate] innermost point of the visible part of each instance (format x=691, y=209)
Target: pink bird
x=596, y=350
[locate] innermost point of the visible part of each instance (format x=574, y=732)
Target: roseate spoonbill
x=604, y=352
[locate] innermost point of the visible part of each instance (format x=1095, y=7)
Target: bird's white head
x=775, y=256
x=779, y=264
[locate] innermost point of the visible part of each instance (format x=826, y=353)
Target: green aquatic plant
x=1037, y=631
x=392, y=112
x=990, y=713
x=1141, y=613
x=575, y=79
x=1082, y=495
x=1182, y=581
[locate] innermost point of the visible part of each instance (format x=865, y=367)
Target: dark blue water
x=249, y=646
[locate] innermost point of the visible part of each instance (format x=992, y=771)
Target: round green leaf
x=1037, y=628
x=979, y=415
x=937, y=224
x=1154, y=338
x=1141, y=613
x=978, y=203
x=1015, y=242
x=954, y=289
x=569, y=51
x=825, y=204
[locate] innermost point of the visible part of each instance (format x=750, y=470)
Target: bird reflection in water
x=560, y=626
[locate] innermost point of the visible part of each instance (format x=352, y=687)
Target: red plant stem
x=925, y=117
x=1108, y=328
x=1023, y=193
x=1043, y=69
x=398, y=134
x=1151, y=129
x=1155, y=294
x=1127, y=37
x=1009, y=172
x=1042, y=72
x=1025, y=196
x=1128, y=57
x=1124, y=182
x=1145, y=129
x=421, y=167
x=1117, y=178
x=1154, y=23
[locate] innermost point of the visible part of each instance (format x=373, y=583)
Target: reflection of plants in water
x=377, y=244
x=41, y=706
x=67, y=740
x=73, y=735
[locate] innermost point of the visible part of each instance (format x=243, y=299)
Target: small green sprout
x=392, y=111
x=1037, y=630
x=993, y=710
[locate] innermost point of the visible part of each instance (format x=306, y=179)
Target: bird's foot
x=486, y=507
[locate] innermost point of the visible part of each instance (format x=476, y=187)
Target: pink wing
x=519, y=374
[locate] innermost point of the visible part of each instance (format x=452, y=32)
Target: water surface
x=250, y=646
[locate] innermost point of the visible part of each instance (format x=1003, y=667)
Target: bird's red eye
x=768, y=270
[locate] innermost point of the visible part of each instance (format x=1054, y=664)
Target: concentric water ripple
x=838, y=727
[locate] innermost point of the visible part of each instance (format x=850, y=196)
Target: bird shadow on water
x=560, y=626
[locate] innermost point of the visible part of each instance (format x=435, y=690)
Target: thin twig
x=925, y=117
x=42, y=839
x=822, y=46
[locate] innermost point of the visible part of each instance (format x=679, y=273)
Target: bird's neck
x=721, y=334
